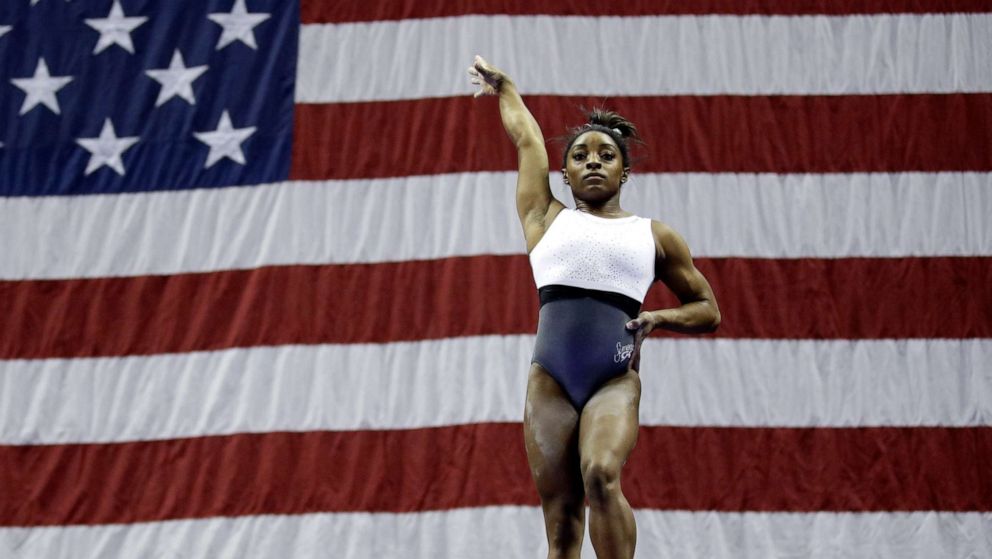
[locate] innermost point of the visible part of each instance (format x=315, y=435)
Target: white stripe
x=427, y=217
x=482, y=379
x=822, y=216
x=499, y=532
x=804, y=383
x=703, y=55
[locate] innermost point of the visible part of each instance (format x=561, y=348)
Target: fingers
x=484, y=89
x=644, y=321
x=489, y=79
x=635, y=356
x=478, y=81
x=642, y=326
x=635, y=324
x=478, y=68
x=482, y=68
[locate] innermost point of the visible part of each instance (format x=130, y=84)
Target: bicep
x=676, y=269
x=533, y=188
x=534, y=197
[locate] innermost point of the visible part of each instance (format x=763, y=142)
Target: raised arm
x=698, y=312
x=536, y=206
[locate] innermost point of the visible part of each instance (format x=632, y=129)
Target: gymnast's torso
x=592, y=274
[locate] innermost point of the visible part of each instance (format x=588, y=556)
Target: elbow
x=714, y=321
x=527, y=141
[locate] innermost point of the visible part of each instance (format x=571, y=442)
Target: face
x=594, y=167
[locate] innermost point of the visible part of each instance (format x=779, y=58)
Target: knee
x=562, y=507
x=601, y=478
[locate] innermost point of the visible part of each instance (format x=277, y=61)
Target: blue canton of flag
x=108, y=96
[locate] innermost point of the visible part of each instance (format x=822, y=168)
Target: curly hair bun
x=613, y=120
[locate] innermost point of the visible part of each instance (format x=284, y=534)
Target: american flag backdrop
x=263, y=292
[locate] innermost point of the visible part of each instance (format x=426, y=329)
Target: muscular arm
x=535, y=203
x=534, y=197
x=698, y=312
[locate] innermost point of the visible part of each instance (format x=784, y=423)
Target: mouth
x=594, y=176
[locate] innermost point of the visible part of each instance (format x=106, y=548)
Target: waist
x=630, y=306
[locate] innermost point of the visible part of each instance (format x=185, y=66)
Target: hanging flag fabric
x=263, y=292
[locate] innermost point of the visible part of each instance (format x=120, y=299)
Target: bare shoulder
x=675, y=268
x=667, y=240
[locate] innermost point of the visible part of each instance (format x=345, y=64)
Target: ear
x=624, y=176
x=564, y=175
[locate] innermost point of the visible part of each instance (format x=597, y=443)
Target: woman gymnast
x=593, y=266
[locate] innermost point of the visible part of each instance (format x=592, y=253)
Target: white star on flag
x=115, y=29
x=4, y=29
x=107, y=149
x=176, y=80
x=225, y=141
x=238, y=25
x=41, y=88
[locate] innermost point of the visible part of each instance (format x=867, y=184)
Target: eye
x=578, y=156
x=608, y=156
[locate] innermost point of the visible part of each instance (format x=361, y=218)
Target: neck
x=608, y=208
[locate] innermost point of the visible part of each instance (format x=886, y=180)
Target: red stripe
x=725, y=469
x=842, y=298
x=319, y=11
x=712, y=134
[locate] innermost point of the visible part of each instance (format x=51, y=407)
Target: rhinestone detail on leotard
x=582, y=250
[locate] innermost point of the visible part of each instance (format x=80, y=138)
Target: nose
x=593, y=164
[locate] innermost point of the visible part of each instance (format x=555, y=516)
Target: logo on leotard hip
x=623, y=352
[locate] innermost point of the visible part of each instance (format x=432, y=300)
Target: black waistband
x=630, y=306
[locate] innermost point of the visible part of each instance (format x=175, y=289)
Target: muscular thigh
x=551, y=430
x=609, y=422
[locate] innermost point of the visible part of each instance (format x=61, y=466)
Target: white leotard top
x=583, y=250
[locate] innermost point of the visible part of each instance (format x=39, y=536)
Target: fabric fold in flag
x=699, y=469
x=817, y=299
x=264, y=293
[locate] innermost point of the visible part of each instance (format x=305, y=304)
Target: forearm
x=519, y=123
x=697, y=317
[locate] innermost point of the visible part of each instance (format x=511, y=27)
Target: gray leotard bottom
x=582, y=339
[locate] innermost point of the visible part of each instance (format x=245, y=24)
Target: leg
x=551, y=428
x=607, y=434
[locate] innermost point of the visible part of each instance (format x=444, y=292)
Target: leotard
x=592, y=274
